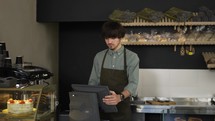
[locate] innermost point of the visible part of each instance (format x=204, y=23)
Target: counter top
x=181, y=106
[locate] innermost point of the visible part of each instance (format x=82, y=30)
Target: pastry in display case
x=32, y=103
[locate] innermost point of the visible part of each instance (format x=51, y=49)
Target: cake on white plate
x=20, y=106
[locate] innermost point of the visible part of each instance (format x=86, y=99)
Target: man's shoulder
x=132, y=57
x=129, y=52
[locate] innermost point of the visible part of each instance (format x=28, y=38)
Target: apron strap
x=104, y=59
x=125, y=64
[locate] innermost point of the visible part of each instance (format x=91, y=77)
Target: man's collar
x=119, y=51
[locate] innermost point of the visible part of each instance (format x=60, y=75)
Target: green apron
x=116, y=80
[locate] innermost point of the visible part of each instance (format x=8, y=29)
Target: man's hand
x=112, y=99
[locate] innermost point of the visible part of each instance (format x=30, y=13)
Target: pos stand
x=86, y=100
x=83, y=106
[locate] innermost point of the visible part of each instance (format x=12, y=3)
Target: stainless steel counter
x=183, y=106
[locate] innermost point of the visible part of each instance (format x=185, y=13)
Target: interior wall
x=176, y=83
x=36, y=42
x=99, y=10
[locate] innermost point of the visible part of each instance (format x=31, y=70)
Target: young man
x=118, y=68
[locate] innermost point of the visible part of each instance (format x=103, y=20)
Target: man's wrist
x=122, y=97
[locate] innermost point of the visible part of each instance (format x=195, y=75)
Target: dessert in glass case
x=31, y=103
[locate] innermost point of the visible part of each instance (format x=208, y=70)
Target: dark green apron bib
x=116, y=80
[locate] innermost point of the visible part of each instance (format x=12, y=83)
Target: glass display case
x=32, y=103
x=189, y=114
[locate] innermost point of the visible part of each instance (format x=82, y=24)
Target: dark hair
x=113, y=29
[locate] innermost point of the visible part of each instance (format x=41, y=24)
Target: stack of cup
x=4, y=54
x=19, y=61
x=7, y=62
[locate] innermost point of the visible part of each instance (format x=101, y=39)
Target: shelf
x=153, y=43
x=170, y=43
x=209, y=58
x=165, y=22
x=200, y=43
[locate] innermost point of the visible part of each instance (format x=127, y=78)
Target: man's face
x=113, y=43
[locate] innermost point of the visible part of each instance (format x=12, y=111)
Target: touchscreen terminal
x=101, y=92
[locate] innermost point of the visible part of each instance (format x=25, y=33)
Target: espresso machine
x=20, y=74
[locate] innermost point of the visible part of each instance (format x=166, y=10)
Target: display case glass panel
x=32, y=103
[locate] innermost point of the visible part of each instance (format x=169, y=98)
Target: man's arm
x=94, y=78
x=133, y=76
